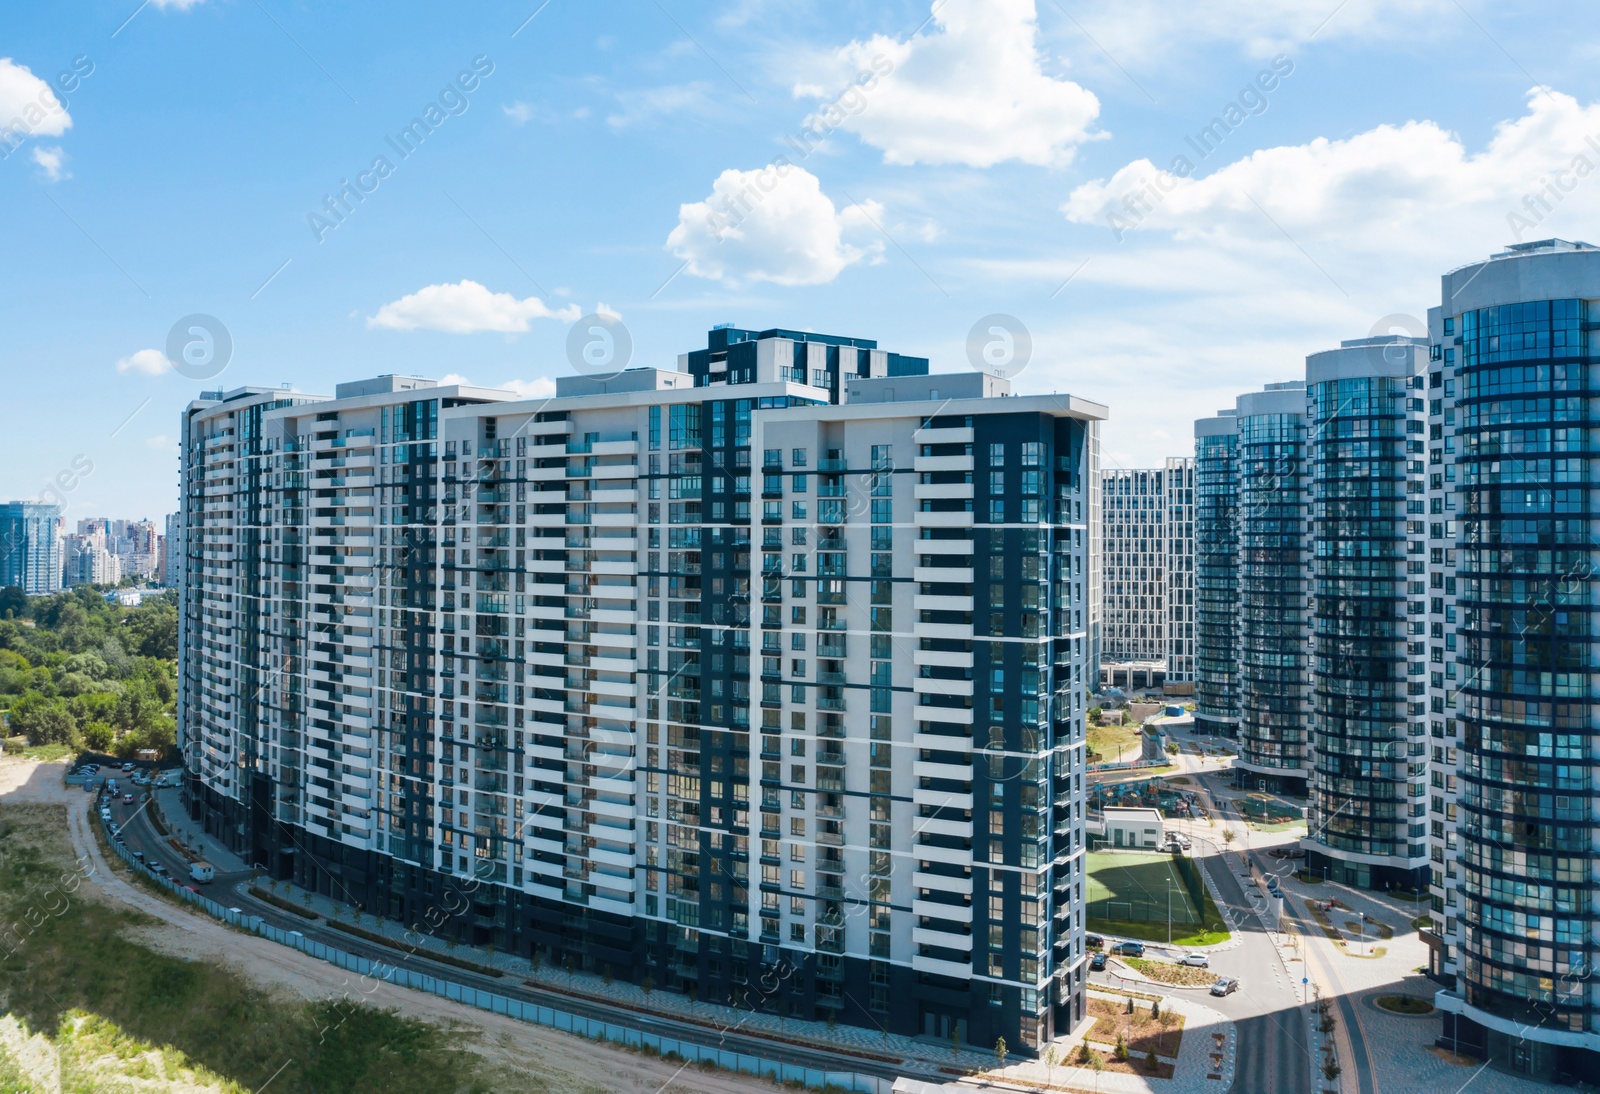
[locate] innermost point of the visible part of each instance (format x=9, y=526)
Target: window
x=798, y=457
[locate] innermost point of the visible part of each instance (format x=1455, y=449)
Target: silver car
x=1197, y=960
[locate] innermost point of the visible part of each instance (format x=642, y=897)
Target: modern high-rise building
x=1275, y=599
x=1147, y=576
x=1133, y=513
x=171, y=570
x=1253, y=583
x=1180, y=564
x=30, y=547
x=1512, y=529
x=1366, y=452
x=771, y=667
x=1216, y=574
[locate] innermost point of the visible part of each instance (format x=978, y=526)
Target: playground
x=1151, y=793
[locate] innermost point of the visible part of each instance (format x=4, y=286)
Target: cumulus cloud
x=772, y=224
x=28, y=106
x=51, y=159
x=1385, y=191
x=466, y=307
x=146, y=362
x=970, y=89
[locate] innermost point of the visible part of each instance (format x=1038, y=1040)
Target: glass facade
x=1216, y=575
x=1528, y=775
x=1367, y=823
x=1274, y=617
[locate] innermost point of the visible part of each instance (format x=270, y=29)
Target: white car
x=1198, y=960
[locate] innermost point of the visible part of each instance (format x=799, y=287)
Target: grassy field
x=118, y=1016
x=1137, y=887
x=1105, y=739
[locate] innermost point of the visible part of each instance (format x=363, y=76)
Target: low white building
x=1135, y=829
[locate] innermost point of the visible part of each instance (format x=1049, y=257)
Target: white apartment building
x=1147, y=575
x=773, y=663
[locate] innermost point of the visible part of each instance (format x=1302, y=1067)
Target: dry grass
x=1142, y=1032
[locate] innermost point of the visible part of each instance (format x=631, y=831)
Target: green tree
x=45, y=722
x=13, y=603
x=99, y=736
x=1000, y=1051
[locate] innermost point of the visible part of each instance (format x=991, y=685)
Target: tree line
x=78, y=670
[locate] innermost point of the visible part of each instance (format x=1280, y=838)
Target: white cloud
x=773, y=224
x=28, y=106
x=1410, y=192
x=1138, y=32
x=160, y=441
x=465, y=307
x=519, y=112
x=51, y=158
x=180, y=5
x=969, y=89
x=655, y=103
x=146, y=362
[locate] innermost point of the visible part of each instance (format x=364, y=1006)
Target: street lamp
x=1169, y=913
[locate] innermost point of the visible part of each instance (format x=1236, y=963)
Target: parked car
x=138, y=856
x=1129, y=949
x=127, y=768
x=1093, y=941
x=1196, y=960
x=1225, y=985
x=1097, y=962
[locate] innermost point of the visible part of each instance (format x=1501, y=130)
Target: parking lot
x=126, y=804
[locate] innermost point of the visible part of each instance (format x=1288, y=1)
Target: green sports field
x=1133, y=888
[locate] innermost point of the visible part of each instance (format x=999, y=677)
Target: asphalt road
x=140, y=835
x=1274, y=1049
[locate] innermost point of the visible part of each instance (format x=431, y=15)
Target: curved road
x=140, y=835
x=1274, y=1046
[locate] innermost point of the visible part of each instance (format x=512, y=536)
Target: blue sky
x=940, y=163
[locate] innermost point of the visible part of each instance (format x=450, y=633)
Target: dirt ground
x=522, y=1056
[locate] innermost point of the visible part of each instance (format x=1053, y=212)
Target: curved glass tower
x=1274, y=595
x=1369, y=708
x=1513, y=450
x=1216, y=573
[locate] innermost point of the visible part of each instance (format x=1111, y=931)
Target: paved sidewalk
x=189, y=833
x=1194, y=1062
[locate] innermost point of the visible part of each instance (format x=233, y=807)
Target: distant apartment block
x=87, y=560
x=1254, y=474
x=1147, y=576
x=171, y=565
x=30, y=547
x=772, y=666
